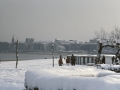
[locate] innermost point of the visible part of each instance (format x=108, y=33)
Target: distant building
x=29, y=40
x=38, y=46
x=4, y=46
x=91, y=46
x=12, y=39
x=45, y=46
x=62, y=45
x=12, y=45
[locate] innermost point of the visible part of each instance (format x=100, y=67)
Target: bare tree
x=102, y=34
x=114, y=34
x=109, y=40
x=117, y=33
x=97, y=34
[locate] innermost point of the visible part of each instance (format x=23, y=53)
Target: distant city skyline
x=14, y=40
x=57, y=19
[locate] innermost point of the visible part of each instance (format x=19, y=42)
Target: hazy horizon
x=57, y=19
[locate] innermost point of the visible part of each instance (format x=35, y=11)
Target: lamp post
x=52, y=49
x=16, y=53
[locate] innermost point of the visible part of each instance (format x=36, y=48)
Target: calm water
x=25, y=56
x=32, y=56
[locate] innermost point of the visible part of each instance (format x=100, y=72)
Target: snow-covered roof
x=91, y=55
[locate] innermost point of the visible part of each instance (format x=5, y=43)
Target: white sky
x=57, y=19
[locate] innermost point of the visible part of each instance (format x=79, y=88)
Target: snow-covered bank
x=111, y=67
x=67, y=78
x=47, y=77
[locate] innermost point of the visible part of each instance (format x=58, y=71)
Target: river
x=28, y=56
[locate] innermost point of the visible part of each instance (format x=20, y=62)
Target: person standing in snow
x=73, y=60
x=60, y=62
x=95, y=61
x=113, y=59
x=67, y=61
x=103, y=59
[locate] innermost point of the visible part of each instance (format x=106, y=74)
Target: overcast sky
x=57, y=19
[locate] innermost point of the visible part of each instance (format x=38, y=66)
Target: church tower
x=13, y=39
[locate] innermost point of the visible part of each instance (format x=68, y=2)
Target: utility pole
x=16, y=53
x=52, y=48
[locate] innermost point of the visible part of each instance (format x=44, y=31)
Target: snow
x=42, y=74
x=110, y=67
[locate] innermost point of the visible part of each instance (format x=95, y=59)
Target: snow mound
x=111, y=67
x=65, y=78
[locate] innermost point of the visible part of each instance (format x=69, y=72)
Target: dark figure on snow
x=113, y=59
x=60, y=62
x=67, y=61
x=95, y=61
x=73, y=60
x=103, y=59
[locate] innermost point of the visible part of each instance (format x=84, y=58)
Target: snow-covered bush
x=64, y=78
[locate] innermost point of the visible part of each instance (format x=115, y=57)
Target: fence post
x=52, y=48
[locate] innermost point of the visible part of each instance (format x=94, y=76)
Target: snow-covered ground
x=46, y=77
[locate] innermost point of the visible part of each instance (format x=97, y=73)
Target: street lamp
x=52, y=49
x=16, y=53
